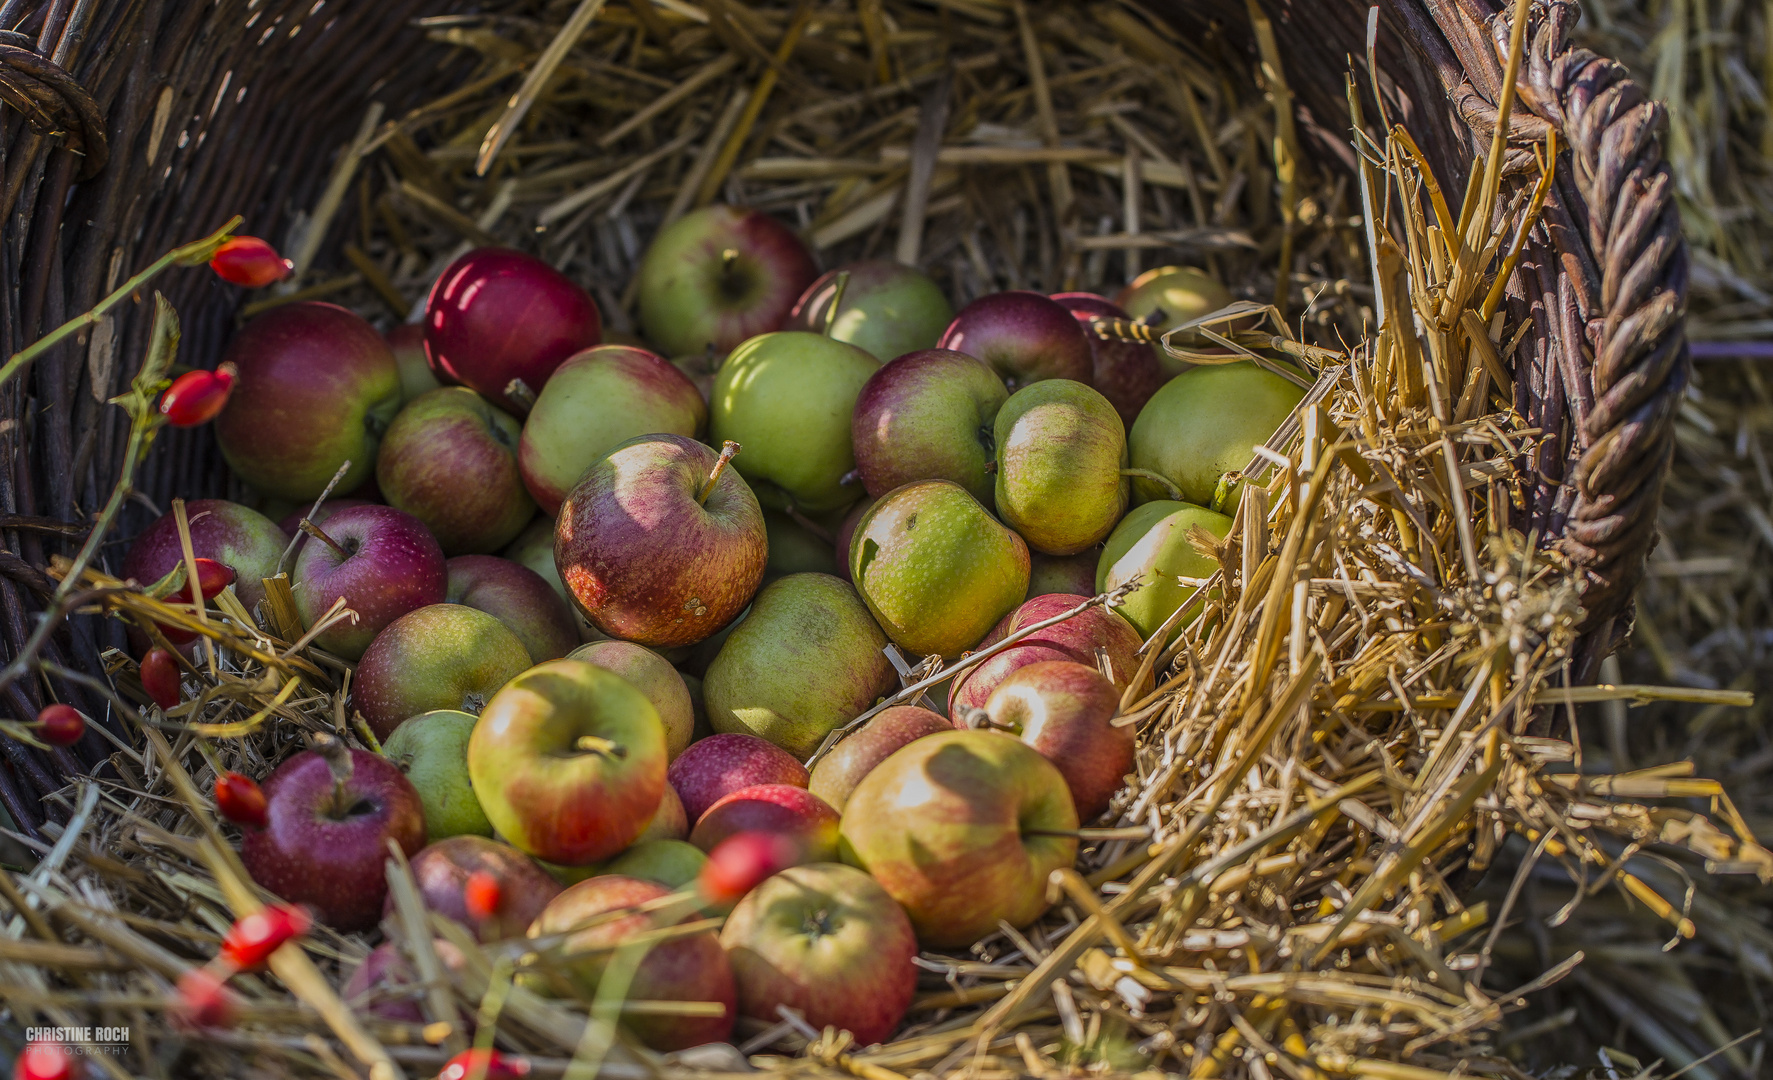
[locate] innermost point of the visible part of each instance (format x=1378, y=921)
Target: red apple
x=496, y=316
x=928, y=416
x=596, y=401
x=330, y=820
x=317, y=387
x=508, y=894
x=660, y=543
x=386, y=987
x=243, y=540
x=791, y=811
x=450, y=460
x=688, y=968
x=957, y=828
x=1066, y=712
x=1076, y=639
x=408, y=343
x=887, y=308
x=291, y=523
x=1024, y=335
x=568, y=761
x=385, y=564
x=518, y=597
x=441, y=656
x=719, y=275
x=715, y=767
x=828, y=941
x=1127, y=373
x=838, y=772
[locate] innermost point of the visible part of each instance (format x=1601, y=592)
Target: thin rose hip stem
x=595, y=744
x=727, y=453
x=319, y=534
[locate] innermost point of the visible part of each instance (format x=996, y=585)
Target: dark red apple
x=719, y=275
x=291, y=523
x=511, y=885
x=689, y=968
x=660, y=543
x=1076, y=639
x=1066, y=711
x=386, y=987
x=330, y=819
x=497, y=315
x=791, y=811
x=715, y=767
x=385, y=564
x=1127, y=373
x=1024, y=335
x=838, y=772
x=518, y=597
x=317, y=388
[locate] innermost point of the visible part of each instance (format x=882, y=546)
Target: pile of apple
x=716, y=546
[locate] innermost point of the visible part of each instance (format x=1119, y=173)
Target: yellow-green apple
x=660, y=543
x=569, y=762
x=715, y=767
x=824, y=939
x=1025, y=336
x=596, y=401
x=794, y=548
x=408, y=343
x=846, y=532
x=242, y=539
x=807, y=659
x=691, y=967
x=518, y=597
x=1205, y=423
x=450, y=460
x=671, y=863
x=787, y=398
x=669, y=822
x=927, y=416
x=432, y=750
x=887, y=308
x=331, y=818
x=1165, y=297
x=1126, y=372
x=935, y=568
x=1060, y=451
x=653, y=676
x=511, y=890
x=383, y=563
x=317, y=387
x=963, y=829
x=441, y=656
x=1078, y=639
x=719, y=275
x=1062, y=573
x=497, y=316
x=1066, y=712
x=838, y=772
x=1151, y=543
x=783, y=809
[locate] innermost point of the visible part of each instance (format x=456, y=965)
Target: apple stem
x=518, y=390
x=326, y=494
x=839, y=285
x=727, y=453
x=317, y=533
x=728, y=257
x=1174, y=492
x=338, y=761
x=593, y=744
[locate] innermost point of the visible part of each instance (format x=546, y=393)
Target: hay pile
x=1330, y=751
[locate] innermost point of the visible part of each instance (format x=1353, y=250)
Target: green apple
x=719, y=275
x=1205, y=423
x=671, y=863
x=652, y=676
x=1070, y=574
x=957, y=828
x=1060, y=451
x=432, y=750
x=887, y=308
x=1152, y=543
x=441, y=656
x=787, y=399
x=794, y=548
x=1174, y=295
x=936, y=569
x=569, y=762
x=806, y=660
